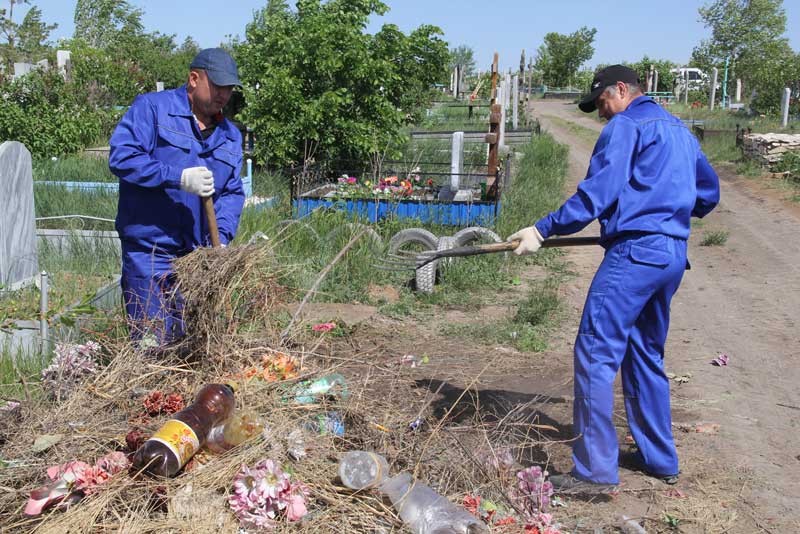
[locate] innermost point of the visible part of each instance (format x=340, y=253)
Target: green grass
x=586, y=134
x=51, y=201
x=714, y=238
x=74, y=168
x=538, y=313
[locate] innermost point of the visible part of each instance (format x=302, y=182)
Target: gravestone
x=655, y=81
x=19, y=262
x=514, y=101
x=159, y=86
x=64, y=62
x=785, y=99
x=21, y=69
x=714, y=74
x=501, y=97
x=456, y=160
x=738, y=90
x=686, y=85
x=44, y=64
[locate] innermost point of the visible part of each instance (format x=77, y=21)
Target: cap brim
x=587, y=105
x=223, y=79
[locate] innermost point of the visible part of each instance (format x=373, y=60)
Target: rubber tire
x=413, y=235
x=426, y=275
x=471, y=234
x=373, y=238
x=288, y=222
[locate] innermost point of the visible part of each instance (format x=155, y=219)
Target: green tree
x=751, y=34
x=33, y=36
x=464, y=56
x=102, y=23
x=664, y=67
x=316, y=82
x=560, y=56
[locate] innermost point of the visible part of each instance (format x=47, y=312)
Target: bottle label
x=179, y=438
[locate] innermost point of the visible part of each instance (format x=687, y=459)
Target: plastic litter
x=426, y=512
x=362, y=470
x=629, y=526
x=308, y=392
x=326, y=423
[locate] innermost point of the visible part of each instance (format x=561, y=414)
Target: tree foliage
x=751, y=34
x=664, y=68
x=315, y=81
x=464, y=56
x=560, y=56
x=25, y=41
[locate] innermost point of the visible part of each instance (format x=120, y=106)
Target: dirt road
x=741, y=299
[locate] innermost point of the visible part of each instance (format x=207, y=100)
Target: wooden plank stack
x=768, y=149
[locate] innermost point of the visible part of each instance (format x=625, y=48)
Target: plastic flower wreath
x=264, y=494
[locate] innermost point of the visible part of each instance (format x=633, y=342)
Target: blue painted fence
x=476, y=213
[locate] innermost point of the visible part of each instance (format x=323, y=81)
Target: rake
x=411, y=261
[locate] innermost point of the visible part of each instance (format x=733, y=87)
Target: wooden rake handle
x=505, y=246
x=211, y=217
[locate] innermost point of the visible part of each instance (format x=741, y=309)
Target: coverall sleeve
x=610, y=169
x=228, y=206
x=131, y=144
x=707, y=187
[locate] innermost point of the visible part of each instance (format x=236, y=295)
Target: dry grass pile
x=231, y=300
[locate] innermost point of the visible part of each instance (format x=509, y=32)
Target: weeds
x=714, y=238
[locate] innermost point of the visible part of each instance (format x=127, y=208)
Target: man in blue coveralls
x=646, y=179
x=169, y=150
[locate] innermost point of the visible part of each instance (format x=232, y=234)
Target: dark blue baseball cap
x=219, y=65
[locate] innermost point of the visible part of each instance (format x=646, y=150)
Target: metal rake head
x=405, y=260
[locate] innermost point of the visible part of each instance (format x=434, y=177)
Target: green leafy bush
x=50, y=116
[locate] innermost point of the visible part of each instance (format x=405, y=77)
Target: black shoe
x=634, y=462
x=566, y=484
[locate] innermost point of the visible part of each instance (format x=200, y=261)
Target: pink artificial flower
x=264, y=492
x=323, y=327
x=351, y=180
x=296, y=508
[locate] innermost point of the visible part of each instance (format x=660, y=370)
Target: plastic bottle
x=361, y=470
x=308, y=392
x=326, y=423
x=168, y=450
x=426, y=512
x=237, y=429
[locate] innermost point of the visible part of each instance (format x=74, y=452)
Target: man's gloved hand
x=530, y=241
x=198, y=181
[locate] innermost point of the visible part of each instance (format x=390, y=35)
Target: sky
x=627, y=30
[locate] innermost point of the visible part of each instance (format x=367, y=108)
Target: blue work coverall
x=646, y=179
x=157, y=222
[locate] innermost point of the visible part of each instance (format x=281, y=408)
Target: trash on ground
x=631, y=526
x=720, y=361
x=707, y=428
x=157, y=403
x=266, y=493
x=169, y=449
x=74, y=480
x=70, y=366
x=275, y=366
x=326, y=423
x=323, y=327
x=45, y=441
x=680, y=379
x=309, y=392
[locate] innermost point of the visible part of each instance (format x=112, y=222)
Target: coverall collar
x=639, y=100
x=180, y=107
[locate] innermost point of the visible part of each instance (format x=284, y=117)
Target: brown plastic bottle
x=168, y=450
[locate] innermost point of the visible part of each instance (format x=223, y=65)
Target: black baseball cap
x=602, y=79
x=219, y=65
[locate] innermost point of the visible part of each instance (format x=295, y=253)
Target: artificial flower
x=323, y=327
x=264, y=493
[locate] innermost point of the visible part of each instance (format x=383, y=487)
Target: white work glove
x=198, y=181
x=530, y=241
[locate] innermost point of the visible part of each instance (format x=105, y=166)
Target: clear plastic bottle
x=361, y=470
x=309, y=392
x=168, y=450
x=426, y=512
x=238, y=428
